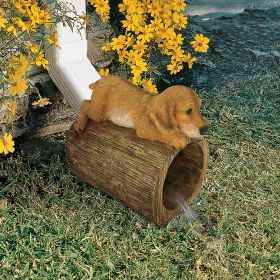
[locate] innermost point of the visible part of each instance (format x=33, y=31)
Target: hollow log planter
x=147, y=176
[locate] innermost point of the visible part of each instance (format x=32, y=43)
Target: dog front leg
x=82, y=119
x=179, y=141
x=175, y=140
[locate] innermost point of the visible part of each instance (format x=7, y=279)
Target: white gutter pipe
x=69, y=66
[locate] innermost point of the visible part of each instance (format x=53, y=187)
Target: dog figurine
x=171, y=117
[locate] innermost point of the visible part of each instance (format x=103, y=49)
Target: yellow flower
x=107, y=47
x=129, y=23
x=156, y=24
x=135, y=10
x=139, y=28
x=129, y=40
x=146, y=34
x=133, y=56
x=177, y=54
x=167, y=17
x=190, y=60
x=140, y=47
x=118, y=43
x=41, y=102
x=2, y=11
x=102, y=8
x=11, y=109
x=19, y=87
x=45, y=18
x=174, y=67
x=18, y=84
x=179, y=39
x=180, y=20
x=174, y=43
x=155, y=8
x=34, y=14
x=200, y=43
x=124, y=6
x=30, y=8
x=122, y=55
x=136, y=79
x=178, y=5
x=167, y=33
x=53, y=39
x=7, y=144
x=103, y=72
x=139, y=67
x=41, y=61
x=85, y=18
x=149, y=86
x=19, y=64
x=13, y=30
x=3, y=22
x=21, y=24
x=28, y=26
x=21, y=7
x=34, y=48
x=166, y=49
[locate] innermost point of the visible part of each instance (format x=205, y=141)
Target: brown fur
x=160, y=117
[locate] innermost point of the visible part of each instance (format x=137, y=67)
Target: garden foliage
x=148, y=27
x=26, y=31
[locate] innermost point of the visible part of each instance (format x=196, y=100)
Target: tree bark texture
x=151, y=177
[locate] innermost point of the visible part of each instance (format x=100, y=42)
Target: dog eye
x=189, y=111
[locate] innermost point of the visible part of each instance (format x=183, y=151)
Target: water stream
x=189, y=214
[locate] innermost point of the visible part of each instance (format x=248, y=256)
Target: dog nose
x=203, y=130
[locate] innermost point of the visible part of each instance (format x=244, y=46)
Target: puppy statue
x=171, y=117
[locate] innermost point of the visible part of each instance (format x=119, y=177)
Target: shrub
x=151, y=28
x=26, y=31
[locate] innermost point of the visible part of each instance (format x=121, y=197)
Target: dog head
x=178, y=108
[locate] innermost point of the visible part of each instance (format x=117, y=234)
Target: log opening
x=183, y=179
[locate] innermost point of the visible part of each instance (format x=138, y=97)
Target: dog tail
x=92, y=85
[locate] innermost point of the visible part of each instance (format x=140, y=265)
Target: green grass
x=56, y=227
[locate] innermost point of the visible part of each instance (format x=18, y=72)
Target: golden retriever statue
x=171, y=117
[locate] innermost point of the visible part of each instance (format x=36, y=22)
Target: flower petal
x=1, y=146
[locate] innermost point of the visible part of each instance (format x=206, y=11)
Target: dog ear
x=162, y=116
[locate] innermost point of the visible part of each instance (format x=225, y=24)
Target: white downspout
x=69, y=66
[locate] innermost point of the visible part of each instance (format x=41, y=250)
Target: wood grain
x=147, y=176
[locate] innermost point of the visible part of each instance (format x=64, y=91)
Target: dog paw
x=78, y=128
x=181, y=143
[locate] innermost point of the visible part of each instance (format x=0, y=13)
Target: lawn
x=54, y=226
